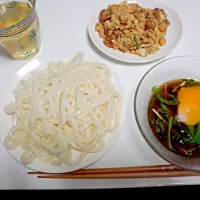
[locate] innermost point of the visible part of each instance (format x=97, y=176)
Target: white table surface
x=64, y=28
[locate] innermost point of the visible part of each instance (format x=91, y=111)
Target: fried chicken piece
x=159, y=14
x=164, y=25
x=104, y=15
x=99, y=28
x=162, y=41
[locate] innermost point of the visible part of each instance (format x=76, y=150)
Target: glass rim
x=19, y=24
x=134, y=107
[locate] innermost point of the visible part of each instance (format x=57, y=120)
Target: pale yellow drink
x=19, y=29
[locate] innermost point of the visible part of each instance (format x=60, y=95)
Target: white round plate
x=6, y=124
x=173, y=36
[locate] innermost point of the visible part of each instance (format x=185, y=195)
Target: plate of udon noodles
x=60, y=115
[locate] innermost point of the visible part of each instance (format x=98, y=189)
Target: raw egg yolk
x=189, y=105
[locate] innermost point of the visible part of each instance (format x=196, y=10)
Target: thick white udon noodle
x=68, y=106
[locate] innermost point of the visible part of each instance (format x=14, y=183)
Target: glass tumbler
x=19, y=28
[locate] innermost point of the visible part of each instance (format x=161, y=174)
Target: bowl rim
x=136, y=116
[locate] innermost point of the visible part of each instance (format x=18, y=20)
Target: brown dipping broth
x=174, y=135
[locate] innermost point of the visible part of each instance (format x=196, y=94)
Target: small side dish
x=128, y=27
x=174, y=116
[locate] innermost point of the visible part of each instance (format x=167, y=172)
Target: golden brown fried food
x=131, y=28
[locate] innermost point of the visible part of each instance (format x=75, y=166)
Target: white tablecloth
x=64, y=28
